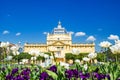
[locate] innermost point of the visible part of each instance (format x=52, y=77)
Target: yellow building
x=60, y=42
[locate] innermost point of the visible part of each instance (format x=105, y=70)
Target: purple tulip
x=75, y=73
x=84, y=76
x=25, y=72
x=80, y=73
x=69, y=74
x=44, y=76
x=18, y=77
x=53, y=68
x=26, y=77
x=3, y=69
x=108, y=76
x=9, y=77
x=118, y=79
x=14, y=71
x=99, y=76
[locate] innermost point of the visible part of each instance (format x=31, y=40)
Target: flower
x=16, y=53
x=42, y=54
x=69, y=74
x=105, y=44
x=84, y=76
x=14, y=71
x=51, y=57
x=3, y=69
x=75, y=51
x=99, y=76
x=85, y=67
x=75, y=73
x=108, y=76
x=115, y=48
x=86, y=59
x=25, y=60
x=21, y=62
x=33, y=58
x=14, y=48
x=117, y=41
x=46, y=56
x=92, y=55
x=53, y=68
x=66, y=65
x=9, y=77
x=5, y=45
x=44, y=76
x=25, y=72
x=77, y=61
x=9, y=58
x=34, y=53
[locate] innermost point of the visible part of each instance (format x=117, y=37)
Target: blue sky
x=27, y=20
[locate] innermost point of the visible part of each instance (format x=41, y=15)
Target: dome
x=59, y=29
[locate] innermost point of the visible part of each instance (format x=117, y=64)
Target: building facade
x=60, y=42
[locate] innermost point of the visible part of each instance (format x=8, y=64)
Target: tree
x=22, y=56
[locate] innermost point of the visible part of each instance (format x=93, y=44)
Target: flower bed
x=108, y=71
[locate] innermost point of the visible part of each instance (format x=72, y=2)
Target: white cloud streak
x=18, y=34
x=80, y=34
x=91, y=38
x=6, y=32
x=113, y=37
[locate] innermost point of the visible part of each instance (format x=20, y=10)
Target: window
x=58, y=53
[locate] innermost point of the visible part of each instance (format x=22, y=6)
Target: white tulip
x=117, y=41
x=77, y=61
x=9, y=57
x=105, y=44
x=14, y=48
x=33, y=58
x=92, y=55
x=25, y=60
x=51, y=57
x=46, y=56
x=66, y=65
x=21, y=62
x=34, y=52
x=86, y=59
x=115, y=48
x=62, y=63
x=16, y=53
x=42, y=54
x=5, y=45
x=85, y=67
x=75, y=51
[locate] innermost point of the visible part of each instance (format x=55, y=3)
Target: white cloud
x=71, y=32
x=18, y=34
x=45, y=32
x=91, y=38
x=80, y=34
x=113, y=37
x=6, y=32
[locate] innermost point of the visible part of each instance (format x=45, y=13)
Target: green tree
x=22, y=56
